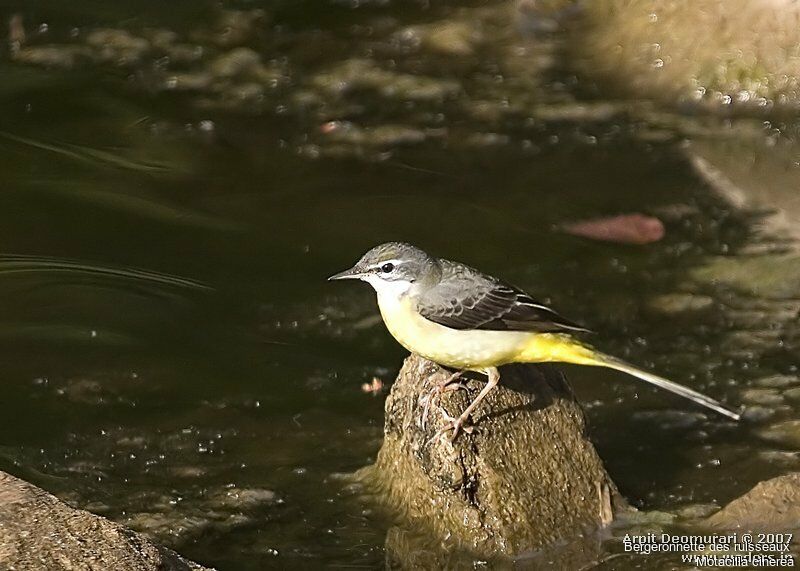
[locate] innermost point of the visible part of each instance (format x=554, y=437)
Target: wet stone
x=189, y=81
x=382, y=135
x=57, y=56
x=487, y=140
x=165, y=525
x=777, y=381
x=762, y=396
x=750, y=342
x=487, y=490
x=673, y=303
x=786, y=433
x=188, y=471
x=241, y=498
x=647, y=519
x=183, y=54
x=117, y=46
x=241, y=62
x=85, y=391
x=456, y=38
x=579, y=112
x=783, y=457
x=670, y=419
x=696, y=511
x=771, y=276
x=770, y=506
x=240, y=94
x=365, y=74
x=792, y=394
x=160, y=37
x=453, y=38
x=40, y=531
x=192, y=514
x=758, y=413
x=109, y=38
x=234, y=28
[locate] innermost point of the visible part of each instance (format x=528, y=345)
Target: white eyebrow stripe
x=393, y=261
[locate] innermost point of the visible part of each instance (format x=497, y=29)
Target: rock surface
x=39, y=531
x=525, y=478
x=773, y=505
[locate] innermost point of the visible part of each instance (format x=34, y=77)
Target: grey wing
x=468, y=299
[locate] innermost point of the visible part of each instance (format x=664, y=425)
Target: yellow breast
x=463, y=349
x=475, y=349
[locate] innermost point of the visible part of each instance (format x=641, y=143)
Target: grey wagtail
x=461, y=318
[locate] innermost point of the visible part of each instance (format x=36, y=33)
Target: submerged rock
x=454, y=38
x=767, y=276
x=753, y=168
x=39, y=531
x=525, y=478
x=382, y=135
x=358, y=73
x=673, y=303
x=778, y=381
x=240, y=62
x=234, y=28
x=762, y=396
x=696, y=511
x=56, y=56
x=117, y=46
x=780, y=457
x=758, y=413
x=792, y=394
x=242, y=498
x=786, y=432
x=671, y=419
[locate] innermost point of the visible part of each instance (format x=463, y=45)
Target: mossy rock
x=527, y=477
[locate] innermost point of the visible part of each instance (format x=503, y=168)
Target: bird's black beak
x=353, y=273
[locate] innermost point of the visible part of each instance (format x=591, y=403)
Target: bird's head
x=393, y=268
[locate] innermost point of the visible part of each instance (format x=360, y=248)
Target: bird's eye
x=387, y=267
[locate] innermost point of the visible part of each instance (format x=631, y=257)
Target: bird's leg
x=448, y=384
x=451, y=420
x=455, y=425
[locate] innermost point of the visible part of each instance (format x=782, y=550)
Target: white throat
x=388, y=289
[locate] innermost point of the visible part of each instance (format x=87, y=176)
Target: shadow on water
x=217, y=418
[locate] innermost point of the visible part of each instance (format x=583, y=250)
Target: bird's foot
x=449, y=384
x=454, y=424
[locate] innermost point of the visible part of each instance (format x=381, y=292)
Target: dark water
x=217, y=420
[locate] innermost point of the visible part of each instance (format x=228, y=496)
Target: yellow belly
x=475, y=349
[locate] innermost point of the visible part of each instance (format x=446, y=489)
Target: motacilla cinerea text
x=461, y=318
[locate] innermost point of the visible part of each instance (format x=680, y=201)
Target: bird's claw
x=454, y=424
x=436, y=392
